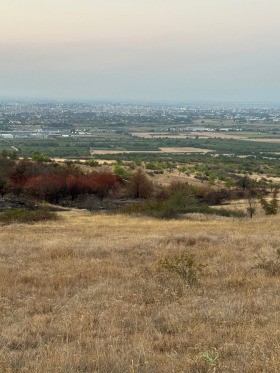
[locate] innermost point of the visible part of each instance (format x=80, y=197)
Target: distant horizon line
x=18, y=98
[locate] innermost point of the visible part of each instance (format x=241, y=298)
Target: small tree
x=140, y=186
x=245, y=182
x=252, y=203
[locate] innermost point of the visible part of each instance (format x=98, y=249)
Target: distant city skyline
x=179, y=50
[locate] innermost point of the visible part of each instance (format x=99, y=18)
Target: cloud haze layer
x=151, y=50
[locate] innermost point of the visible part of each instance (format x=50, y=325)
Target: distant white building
x=6, y=136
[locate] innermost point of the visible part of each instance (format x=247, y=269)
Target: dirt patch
x=185, y=150
x=162, y=150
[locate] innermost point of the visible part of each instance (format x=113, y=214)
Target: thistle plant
x=212, y=358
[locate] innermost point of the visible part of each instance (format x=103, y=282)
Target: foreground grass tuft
x=270, y=265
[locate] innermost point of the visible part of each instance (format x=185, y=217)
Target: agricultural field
x=251, y=136
x=94, y=152
x=146, y=135
x=78, y=147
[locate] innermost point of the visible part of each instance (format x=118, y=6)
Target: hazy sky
x=147, y=50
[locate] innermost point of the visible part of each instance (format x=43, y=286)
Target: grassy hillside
x=87, y=293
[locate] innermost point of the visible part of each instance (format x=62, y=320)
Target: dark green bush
x=270, y=208
x=40, y=158
x=92, y=163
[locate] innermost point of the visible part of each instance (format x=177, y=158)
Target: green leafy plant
x=212, y=358
x=184, y=266
x=118, y=170
x=40, y=158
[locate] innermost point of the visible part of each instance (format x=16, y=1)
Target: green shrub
x=156, y=166
x=182, y=169
x=151, y=166
x=92, y=163
x=40, y=158
x=181, y=200
x=184, y=266
x=212, y=358
x=138, y=162
x=118, y=170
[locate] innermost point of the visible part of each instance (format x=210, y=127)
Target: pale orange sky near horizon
x=165, y=49
x=55, y=21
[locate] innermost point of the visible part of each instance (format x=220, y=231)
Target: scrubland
x=86, y=293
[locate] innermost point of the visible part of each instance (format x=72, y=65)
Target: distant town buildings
x=42, y=119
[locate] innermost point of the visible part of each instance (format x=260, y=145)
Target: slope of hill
x=88, y=294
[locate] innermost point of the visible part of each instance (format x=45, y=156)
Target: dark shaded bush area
x=52, y=182
x=27, y=216
x=163, y=210
x=179, y=198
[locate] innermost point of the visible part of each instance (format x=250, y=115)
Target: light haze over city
x=140, y=50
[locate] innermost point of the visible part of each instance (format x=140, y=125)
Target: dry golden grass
x=164, y=150
x=203, y=135
x=185, y=150
x=86, y=294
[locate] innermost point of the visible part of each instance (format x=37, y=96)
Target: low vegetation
x=184, y=266
x=27, y=216
x=87, y=294
x=271, y=207
x=270, y=265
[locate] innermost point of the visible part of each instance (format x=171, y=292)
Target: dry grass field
x=87, y=294
x=164, y=150
x=202, y=135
